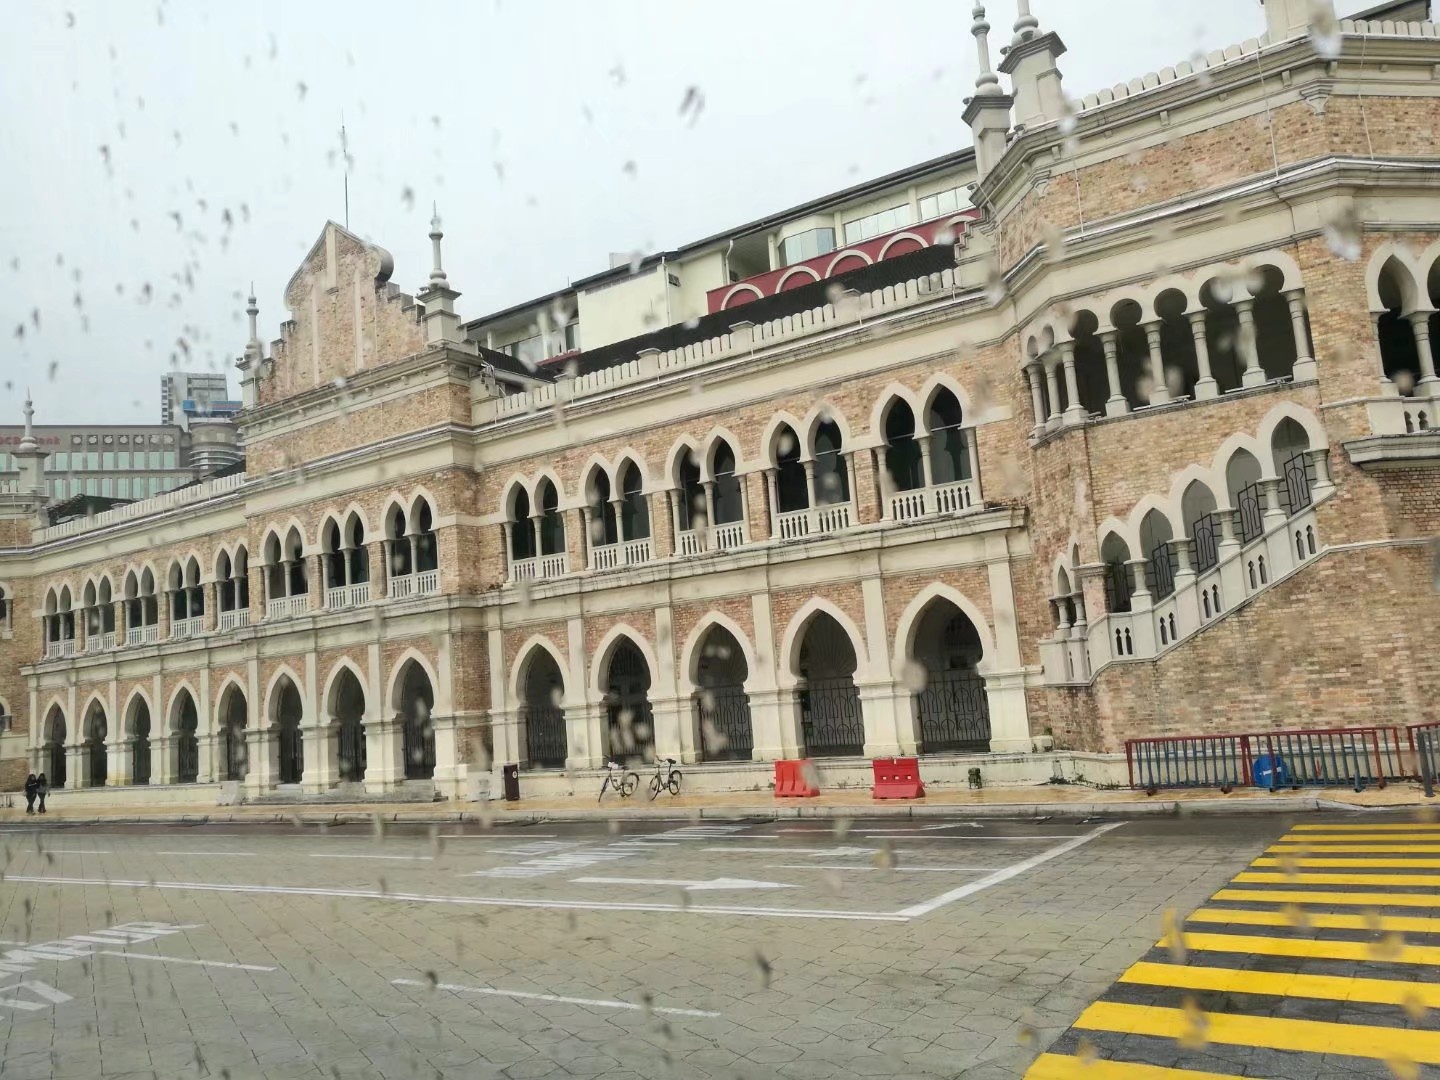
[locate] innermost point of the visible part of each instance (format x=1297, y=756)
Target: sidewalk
x=1039, y=801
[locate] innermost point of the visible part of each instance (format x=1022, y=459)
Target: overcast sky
x=157, y=157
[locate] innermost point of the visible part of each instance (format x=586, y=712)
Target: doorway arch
x=831, y=721
x=722, y=707
x=951, y=707
x=137, y=731
x=97, y=728
x=627, y=704
x=347, y=722
x=53, y=752
x=542, y=710
x=290, y=744
x=185, y=726
x=416, y=704
x=234, y=756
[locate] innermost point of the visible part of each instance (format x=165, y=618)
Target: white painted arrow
x=688, y=886
x=956, y=825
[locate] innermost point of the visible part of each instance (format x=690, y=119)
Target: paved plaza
x=926, y=948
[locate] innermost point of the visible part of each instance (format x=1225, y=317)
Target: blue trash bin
x=1270, y=771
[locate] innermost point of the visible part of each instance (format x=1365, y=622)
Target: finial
x=987, y=83
x=252, y=310
x=1026, y=26
x=437, y=275
x=27, y=441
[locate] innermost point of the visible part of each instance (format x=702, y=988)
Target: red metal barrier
x=897, y=778
x=795, y=780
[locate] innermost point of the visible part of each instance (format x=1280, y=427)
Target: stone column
x=1387, y=384
x=587, y=523
x=708, y=486
x=1080, y=637
x=1116, y=404
x=1227, y=554
x=1037, y=397
x=1142, y=602
x=674, y=734
x=379, y=570
x=1187, y=598
x=1420, y=323
x=927, y=470
x=1075, y=412
x=322, y=757
x=1304, y=369
x=1052, y=382
x=1254, y=374
x=1206, y=387
x=384, y=764
x=1159, y=389
x=77, y=765
x=863, y=494
x=262, y=753
x=1322, y=485
x=1009, y=713
x=662, y=524
x=163, y=602
x=772, y=485
x=809, y=465
x=879, y=711
x=211, y=592
x=119, y=758
x=586, y=738
x=209, y=746
x=577, y=543
x=121, y=626
x=1280, y=543
x=316, y=583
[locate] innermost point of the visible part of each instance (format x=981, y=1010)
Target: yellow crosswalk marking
x=1350, y=838
x=1060, y=1067
x=1313, y=1036
x=1390, y=827
x=1308, y=949
x=1261, y=877
x=1358, y=849
x=1310, y=896
x=1321, y=987
x=1340, y=862
x=1320, y=920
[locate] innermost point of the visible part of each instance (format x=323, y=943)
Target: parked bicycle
x=670, y=781
x=618, y=778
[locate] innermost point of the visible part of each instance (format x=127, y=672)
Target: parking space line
x=914, y=834
x=77, y=851
x=528, y=996
x=1277, y=984
x=1266, y=1032
x=1000, y=876
x=181, y=960
x=1382, y=827
x=820, y=866
x=404, y=858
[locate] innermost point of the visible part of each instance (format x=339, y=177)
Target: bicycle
x=669, y=781
x=625, y=783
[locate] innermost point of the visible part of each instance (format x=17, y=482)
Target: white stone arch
x=523, y=658
x=227, y=684
x=327, y=696
x=127, y=714
x=707, y=455
x=1424, y=263
x=271, y=714
x=1412, y=280
x=395, y=503
x=172, y=713
x=1062, y=574
x=515, y=485
x=600, y=665
x=821, y=411
x=1166, y=507
x=629, y=455
x=227, y=552
x=307, y=545
x=547, y=473
x=847, y=254
x=55, y=707
x=910, y=620
x=1195, y=474
x=785, y=673
x=394, y=684
x=1127, y=294
x=331, y=517
x=1288, y=410
x=796, y=271
x=690, y=652
x=884, y=251
x=90, y=702
x=421, y=496
x=1290, y=276
x=885, y=401
x=1241, y=440
x=676, y=455
x=740, y=288
x=931, y=387
x=768, y=450
x=594, y=464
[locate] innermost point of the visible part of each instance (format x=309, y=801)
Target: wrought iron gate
x=1117, y=587
x=187, y=758
x=1206, y=531
x=351, y=750
x=1252, y=514
x=631, y=723
x=545, y=742
x=140, y=760
x=830, y=719
x=1296, y=491
x=95, y=751
x=292, y=753
x=1160, y=569
x=723, y=713
x=417, y=744
x=237, y=758
x=954, y=712
x=56, y=775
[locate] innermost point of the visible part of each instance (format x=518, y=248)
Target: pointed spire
x=1026, y=25
x=27, y=441
x=437, y=275
x=987, y=83
x=252, y=310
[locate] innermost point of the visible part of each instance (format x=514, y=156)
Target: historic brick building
x=1122, y=422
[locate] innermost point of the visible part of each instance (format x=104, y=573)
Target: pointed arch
x=769, y=450
x=790, y=642
x=395, y=683
x=138, y=695
x=283, y=673
x=1288, y=410
x=822, y=412
x=885, y=401
x=90, y=702
x=422, y=499
x=600, y=663
x=1236, y=442
x=227, y=684
x=1164, y=506
x=174, y=704
x=538, y=485
x=631, y=456
x=1409, y=277
x=327, y=697
x=523, y=659
x=713, y=438
x=910, y=620
x=690, y=651
x=675, y=458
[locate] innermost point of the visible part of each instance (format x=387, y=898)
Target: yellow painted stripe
x=1060, y=1067
x=1340, y=862
x=1308, y=949
x=1311, y=896
x=1393, y=826
x=1320, y=920
x=1265, y=877
x=1351, y=838
x=1358, y=849
x=1229, y=1029
x=1320, y=987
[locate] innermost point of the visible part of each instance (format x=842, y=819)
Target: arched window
x=604, y=522
x=1177, y=344
x=903, y=460
x=552, y=525
x=832, y=480
x=333, y=557
x=793, y=492
x=402, y=562
x=233, y=588
x=359, y=556
x=692, y=513
x=949, y=447
x=1247, y=497
x=1274, y=331
x=1399, y=349
x=1202, y=524
x=1155, y=537
x=1288, y=447
x=427, y=544
x=1119, y=586
x=522, y=529
x=634, y=510
x=729, y=506
x=1092, y=379
x=1222, y=334
x=1132, y=353
x=5, y=605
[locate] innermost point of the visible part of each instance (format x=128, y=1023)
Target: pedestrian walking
x=42, y=788
x=32, y=788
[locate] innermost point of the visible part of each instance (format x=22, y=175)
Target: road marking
x=77, y=851
x=1267, y=878
x=688, y=886
x=915, y=834
x=1060, y=1067
x=1306, y=896
x=48, y=994
x=1357, y=838
x=498, y=839
x=946, y=869
x=403, y=858
x=1355, y=849
x=821, y=866
x=999, y=876
x=1341, y=863
x=227, y=854
x=1391, y=827
x=1356, y=1040
x=798, y=850
x=1306, y=948
x=466, y=901
x=1319, y=987
x=527, y=996
x=181, y=960
x=1413, y=924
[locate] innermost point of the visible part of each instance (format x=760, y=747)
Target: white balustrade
x=282, y=607
x=524, y=569
x=56, y=649
x=637, y=551
x=908, y=505
x=690, y=542
x=793, y=524
x=93, y=644
x=427, y=582
x=605, y=557
x=553, y=566
x=180, y=629
x=729, y=535
x=832, y=517
x=337, y=597
x=954, y=498
x=142, y=635
x=107, y=641
x=233, y=620
x=403, y=587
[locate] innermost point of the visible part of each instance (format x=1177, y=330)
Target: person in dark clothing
x=32, y=788
x=42, y=788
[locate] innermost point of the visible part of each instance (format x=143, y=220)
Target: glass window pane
x=154, y=459
x=61, y=489
x=169, y=459
x=107, y=460
x=107, y=486
x=929, y=206
x=122, y=487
